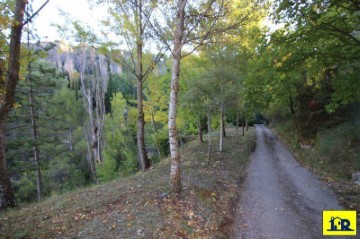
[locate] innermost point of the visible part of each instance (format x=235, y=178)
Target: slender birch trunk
x=175, y=178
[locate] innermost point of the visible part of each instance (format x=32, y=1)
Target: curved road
x=280, y=199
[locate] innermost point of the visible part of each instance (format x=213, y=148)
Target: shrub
x=107, y=169
x=130, y=164
x=25, y=189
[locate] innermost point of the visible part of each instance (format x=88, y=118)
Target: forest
x=109, y=103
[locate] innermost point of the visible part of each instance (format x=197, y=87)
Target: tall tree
x=7, y=97
x=189, y=23
x=201, y=96
x=34, y=126
x=127, y=19
x=32, y=129
x=7, y=100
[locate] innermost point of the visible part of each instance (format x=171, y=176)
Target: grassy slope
x=140, y=206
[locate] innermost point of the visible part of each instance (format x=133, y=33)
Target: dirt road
x=281, y=199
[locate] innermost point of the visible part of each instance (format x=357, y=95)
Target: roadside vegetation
x=334, y=156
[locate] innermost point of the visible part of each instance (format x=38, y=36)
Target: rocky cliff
x=67, y=58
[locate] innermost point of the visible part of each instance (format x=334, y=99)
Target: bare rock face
x=66, y=58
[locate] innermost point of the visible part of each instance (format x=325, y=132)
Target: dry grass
x=141, y=206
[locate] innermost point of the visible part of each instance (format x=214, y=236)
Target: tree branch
x=158, y=34
x=36, y=13
x=154, y=62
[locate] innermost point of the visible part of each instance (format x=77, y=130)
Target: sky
x=50, y=14
x=77, y=9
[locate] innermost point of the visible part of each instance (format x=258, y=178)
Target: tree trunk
x=2, y=73
x=200, y=135
x=175, y=178
x=293, y=113
x=93, y=89
x=90, y=160
x=142, y=155
x=154, y=130
x=224, y=131
x=243, y=126
x=237, y=125
x=71, y=144
x=221, y=143
x=91, y=136
x=174, y=145
x=7, y=197
x=36, y=151
x=6, y=192
x=209, y=138
x=223, y=122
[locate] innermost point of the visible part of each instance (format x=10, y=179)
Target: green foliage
x=305, y=74
x=26, y=188
x=120, y=141
x=107, y=169
x=339, y=143
x=129, y=165
x=62, y=175
x=320, y=47
x=163, y=140
x=59, y=117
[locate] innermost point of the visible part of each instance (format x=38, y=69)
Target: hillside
x=140, y=206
